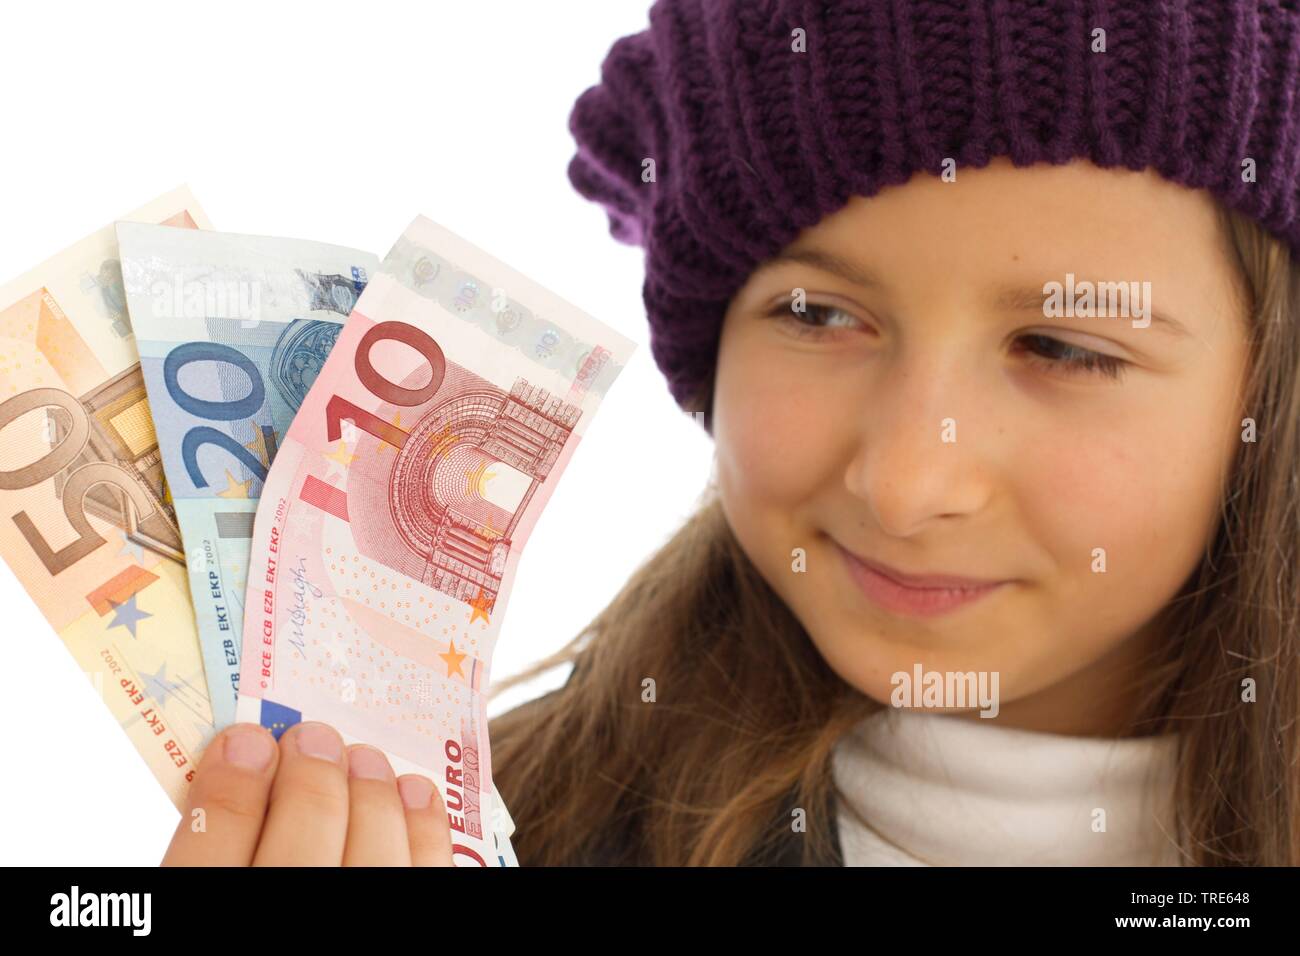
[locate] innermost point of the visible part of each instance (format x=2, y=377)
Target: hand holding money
x=403, y=436
x=307, y=801
x=393, y=517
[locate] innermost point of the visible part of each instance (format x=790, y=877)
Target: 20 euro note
x=232, y=331
x=85, y=519
x=396, y=510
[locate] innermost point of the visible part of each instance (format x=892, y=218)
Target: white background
x=335, y=122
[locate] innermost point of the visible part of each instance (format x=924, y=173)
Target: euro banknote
x=232, y=331
x=86, y=522
x=394, y=515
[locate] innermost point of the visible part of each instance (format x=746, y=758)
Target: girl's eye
x=815, y=321
x=824, y=321
x=1072, y=359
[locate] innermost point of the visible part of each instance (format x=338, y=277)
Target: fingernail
x=417, y=792
x=318, y=740
x=367, y=763
x=248, y=748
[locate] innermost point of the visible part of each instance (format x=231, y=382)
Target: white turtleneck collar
x=943, y=790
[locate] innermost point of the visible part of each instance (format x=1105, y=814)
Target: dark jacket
x=618, y=846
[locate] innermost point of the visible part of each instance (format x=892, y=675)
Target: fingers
x=428, y=832
x=307, y=821
x=308, y=801
x=376, y=821
x=227, y=800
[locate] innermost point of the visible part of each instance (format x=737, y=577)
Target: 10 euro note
x=85, y=520
x=398, y=505
x=232, y=331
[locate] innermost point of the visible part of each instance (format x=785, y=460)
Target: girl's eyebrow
x=1018, y=298
x=827, y=262
x=1032, y=298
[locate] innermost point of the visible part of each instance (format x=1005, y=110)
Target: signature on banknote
x=301, y=607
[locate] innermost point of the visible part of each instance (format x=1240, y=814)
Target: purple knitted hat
x=753, y=139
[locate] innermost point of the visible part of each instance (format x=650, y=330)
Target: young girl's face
x=926, y=414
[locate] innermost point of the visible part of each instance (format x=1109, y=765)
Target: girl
x=993, y=314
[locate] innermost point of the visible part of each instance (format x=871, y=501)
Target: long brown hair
x=698, y=722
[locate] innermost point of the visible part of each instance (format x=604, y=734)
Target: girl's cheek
x=1125, y=513
x=774, y=431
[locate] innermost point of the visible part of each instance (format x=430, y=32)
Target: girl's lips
x=911, y=594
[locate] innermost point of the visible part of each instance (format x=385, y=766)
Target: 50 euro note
x=232, y=331
x=395, y=513
x=86, y=523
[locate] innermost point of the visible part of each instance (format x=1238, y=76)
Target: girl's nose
x=922, y=455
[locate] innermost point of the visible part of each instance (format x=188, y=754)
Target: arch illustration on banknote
x=298, y=356
x=451, y=508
